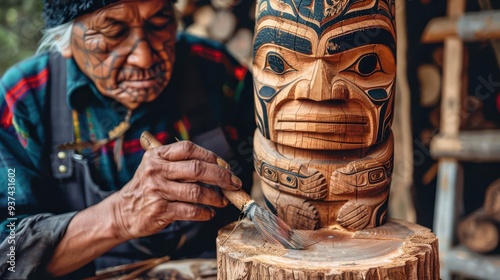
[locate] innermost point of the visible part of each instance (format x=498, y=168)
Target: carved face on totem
x=325, y=72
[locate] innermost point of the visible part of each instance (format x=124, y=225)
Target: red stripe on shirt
x=134, y=145
x=219, y=57
x=240, y=72
x=24, y=85
x=212, y=54
x=6, y=119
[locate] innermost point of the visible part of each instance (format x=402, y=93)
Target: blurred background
x=20, y=25
x=417, y=112
x=230, y=22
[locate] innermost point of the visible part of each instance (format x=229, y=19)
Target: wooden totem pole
x=324, y=93
x=324, y=73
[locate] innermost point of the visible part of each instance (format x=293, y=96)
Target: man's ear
x=67, y=53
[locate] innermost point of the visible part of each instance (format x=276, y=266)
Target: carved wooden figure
x=324, y=75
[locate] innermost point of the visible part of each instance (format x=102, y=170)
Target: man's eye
x=114, y=31
x=158, y=24
x=276, y=63
x=116, y=34
x=367, y=65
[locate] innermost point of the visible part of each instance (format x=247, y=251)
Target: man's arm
x=91, y=233
x=27, y=245
x=28, y=234
x=29, y=229
x=164, y=189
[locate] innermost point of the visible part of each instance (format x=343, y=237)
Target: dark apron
x=77, y=190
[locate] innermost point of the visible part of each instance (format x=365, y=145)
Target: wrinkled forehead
x=323, y=27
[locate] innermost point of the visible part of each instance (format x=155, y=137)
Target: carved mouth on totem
x=347, y=118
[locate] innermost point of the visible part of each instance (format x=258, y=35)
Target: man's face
x=127, y=49
x=324, y=72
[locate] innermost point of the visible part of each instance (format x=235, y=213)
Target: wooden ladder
x=451, y=145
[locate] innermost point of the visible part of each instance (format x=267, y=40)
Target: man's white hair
x=56, y=38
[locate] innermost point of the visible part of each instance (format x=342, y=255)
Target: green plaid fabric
x=25, y=119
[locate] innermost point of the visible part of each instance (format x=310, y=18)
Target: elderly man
x=79, y=193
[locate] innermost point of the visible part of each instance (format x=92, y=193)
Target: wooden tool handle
x=239, y=198
x=148, y=141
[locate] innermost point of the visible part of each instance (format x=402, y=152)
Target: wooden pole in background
x=448, y=168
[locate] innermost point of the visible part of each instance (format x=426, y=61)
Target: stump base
x=396, y=250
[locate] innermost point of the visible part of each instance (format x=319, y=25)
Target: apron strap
x=60, y=118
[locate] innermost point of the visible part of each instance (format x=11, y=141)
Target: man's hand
x=168, y=187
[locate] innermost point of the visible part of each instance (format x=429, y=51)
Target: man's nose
x=141, y=54
x=322, y=87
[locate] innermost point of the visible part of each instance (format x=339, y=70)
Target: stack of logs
x=480, y=231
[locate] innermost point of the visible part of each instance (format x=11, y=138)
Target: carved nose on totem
x=321, y=87
x=340, y=90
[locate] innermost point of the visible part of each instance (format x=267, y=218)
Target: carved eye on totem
x=277, y=64
x=366, y=65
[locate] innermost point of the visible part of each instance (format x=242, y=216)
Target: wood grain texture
x=325, y=190
x=324, y=76
x=396, y=250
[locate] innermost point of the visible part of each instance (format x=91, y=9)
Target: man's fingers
x=185, y=150
x=200, y=171
x=181, y=211
x=193, y=193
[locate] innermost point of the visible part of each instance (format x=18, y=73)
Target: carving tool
x=269, y=225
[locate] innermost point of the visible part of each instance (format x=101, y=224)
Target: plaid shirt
x=201, y=65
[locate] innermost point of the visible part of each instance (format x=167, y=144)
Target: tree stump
x=396, y=250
